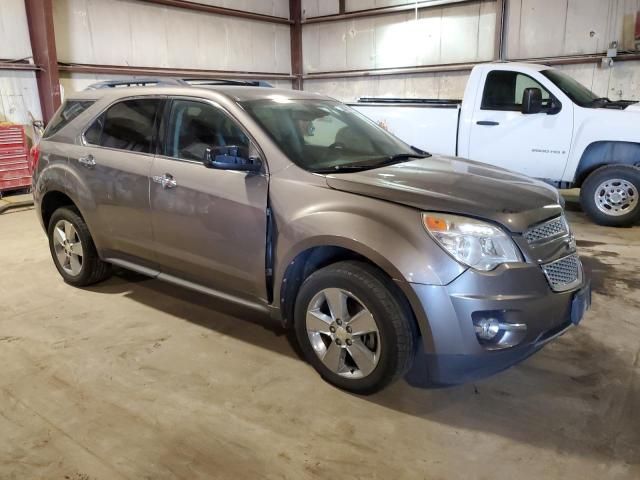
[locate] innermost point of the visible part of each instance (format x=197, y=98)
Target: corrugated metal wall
x=18, y=90
x=465, y=33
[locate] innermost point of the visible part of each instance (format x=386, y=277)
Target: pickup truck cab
x=534, y=120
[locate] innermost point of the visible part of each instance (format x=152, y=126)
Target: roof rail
x=174, y=81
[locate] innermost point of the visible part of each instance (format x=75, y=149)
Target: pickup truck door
x=537, y=145
x=209, y=225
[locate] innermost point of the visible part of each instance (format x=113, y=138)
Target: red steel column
x=295, y=12
x=43, y=46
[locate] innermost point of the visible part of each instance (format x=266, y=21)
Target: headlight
x=474, y=243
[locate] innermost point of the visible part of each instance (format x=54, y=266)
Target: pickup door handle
x=87, y=161
x=487, y=123
x=166, y=180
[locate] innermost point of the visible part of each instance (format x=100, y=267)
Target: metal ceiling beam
x=295, y=12
x=169, y=72
x=199, y=7
x=43, y=46
x=374, y=12
x=9, y=65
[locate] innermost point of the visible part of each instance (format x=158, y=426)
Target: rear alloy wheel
x=611, y=196
x=354, y=327
x=73, y=251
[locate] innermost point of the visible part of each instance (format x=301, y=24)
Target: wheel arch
x=314, y=257
x=602, y=153
x=51, y=201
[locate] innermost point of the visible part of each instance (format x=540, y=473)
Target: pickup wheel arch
x=602, y=153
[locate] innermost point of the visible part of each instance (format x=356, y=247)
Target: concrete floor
x=137, y=379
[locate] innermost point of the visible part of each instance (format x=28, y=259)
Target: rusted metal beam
x=169, y=72
x=199, y=7
x=8, y=65
x=501, y=16
x=43, y=46
x=295, y=12
x=373, y=12
x=462, y=67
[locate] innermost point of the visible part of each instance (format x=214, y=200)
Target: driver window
x=195, y=127
x=504, y=91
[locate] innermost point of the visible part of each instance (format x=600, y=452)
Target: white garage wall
x=126, y=32
x=18, y=89
x=451, y=34
x=570, y=27
x=465, y=33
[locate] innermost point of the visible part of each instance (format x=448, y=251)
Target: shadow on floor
x=578, y=395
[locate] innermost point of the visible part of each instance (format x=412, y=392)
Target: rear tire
x=610, y=196
x=73, y=251
x=353, y=327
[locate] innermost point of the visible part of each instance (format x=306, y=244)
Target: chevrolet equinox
x=377, y=254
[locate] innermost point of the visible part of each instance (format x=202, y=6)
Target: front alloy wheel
x=354, y=326
x=343, y=333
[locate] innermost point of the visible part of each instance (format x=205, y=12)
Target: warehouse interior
x=137, y=378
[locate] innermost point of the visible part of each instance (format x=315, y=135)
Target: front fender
x=603, y=138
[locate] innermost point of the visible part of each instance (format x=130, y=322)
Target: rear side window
x=504, y=90
x=127, y=125
x=70, y=110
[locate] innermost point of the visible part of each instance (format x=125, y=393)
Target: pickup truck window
x=127, y=125
x=322, y=135
x=504, y=90
x=195, y=127
x=577, y=92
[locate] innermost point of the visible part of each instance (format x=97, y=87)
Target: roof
x=236, y=93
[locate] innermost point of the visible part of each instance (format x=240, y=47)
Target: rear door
x=537, y=145
x=114, y=161
x=209, y=225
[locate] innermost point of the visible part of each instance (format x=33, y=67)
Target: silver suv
x=379, y=256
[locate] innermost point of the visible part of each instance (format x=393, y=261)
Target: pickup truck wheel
x=353, y=329
x=611, y=196
x=73, y=251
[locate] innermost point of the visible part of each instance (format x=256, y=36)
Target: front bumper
x=519, y=294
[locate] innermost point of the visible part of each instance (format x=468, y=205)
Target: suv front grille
x=551, y=229
x=564, y=274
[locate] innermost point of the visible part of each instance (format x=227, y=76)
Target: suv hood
x=457, y=186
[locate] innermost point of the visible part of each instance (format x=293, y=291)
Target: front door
x=536, y=145
x=209, y=225
x=114, y=163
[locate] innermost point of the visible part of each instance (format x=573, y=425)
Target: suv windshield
x=326, y=136
x=577, y=92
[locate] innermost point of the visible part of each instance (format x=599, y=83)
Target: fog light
x=487, y=328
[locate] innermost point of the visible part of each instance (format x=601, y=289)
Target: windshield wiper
x=599, y=100
x=368, y=165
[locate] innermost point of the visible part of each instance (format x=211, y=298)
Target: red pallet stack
x=14, y=158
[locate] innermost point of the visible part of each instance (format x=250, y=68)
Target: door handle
x=87, y=161
x=487, y=123
x=166, y=180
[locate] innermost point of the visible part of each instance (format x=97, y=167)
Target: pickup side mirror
x=231, y=157
x=531, y=101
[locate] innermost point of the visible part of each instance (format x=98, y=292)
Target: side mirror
x=232, y=157
x=531, y=101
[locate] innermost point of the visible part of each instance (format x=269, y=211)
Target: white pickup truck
x=535, y=120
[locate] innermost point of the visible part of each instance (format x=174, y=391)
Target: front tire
x=354, y=328
x=610, y=196
x=73, y=251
